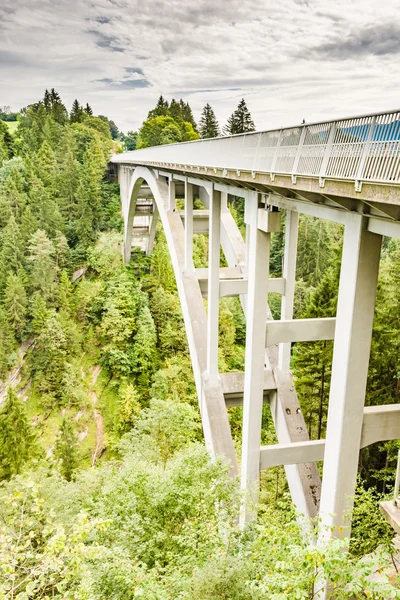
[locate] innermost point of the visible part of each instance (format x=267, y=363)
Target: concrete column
x=188, y=226
x=289, y=274
x=355, y=312
x=171, y=195
x=258, y=245
x=213, y=285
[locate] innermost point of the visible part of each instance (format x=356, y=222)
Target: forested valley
x=107, y=490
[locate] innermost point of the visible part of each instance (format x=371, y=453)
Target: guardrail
x=360, y=149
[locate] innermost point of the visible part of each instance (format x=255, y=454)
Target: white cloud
x=291, y=59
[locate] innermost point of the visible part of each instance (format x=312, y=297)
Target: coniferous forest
x=107, y=491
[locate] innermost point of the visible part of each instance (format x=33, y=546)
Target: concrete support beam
x=299, y=330
x=188, y=227
x=256, y=314
x=171, y=195
x=380, y=423
x=238, y=287
x=355, y=312
x=388, y=228
x=315, y=210
x=289, y=274
x=213, y=286
x=233, y=386
x=291, y=454
x=153, y=229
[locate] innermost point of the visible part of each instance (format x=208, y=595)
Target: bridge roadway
x=347, y=171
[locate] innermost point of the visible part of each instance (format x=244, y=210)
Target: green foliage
x=130, y=140
x=38, y=557
x=65, y=449
x=208, y=124
x=159, y=131
x=240, y=121
x=17, y=439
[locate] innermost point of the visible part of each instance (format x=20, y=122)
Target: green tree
x=17, y=439
x=208, y=124
x=66, y=449
x=48, y=362
x=161, y=109
x=145, y=353
x=39, y=313
x=15, y=303
x=128, y=409
x=41, y=255
x=12, y=249
x=312, y=361
x=76, y=114
x=240, y=121
x=130, y=140
x=88, y=110
x=158, y=131
x=7, y=343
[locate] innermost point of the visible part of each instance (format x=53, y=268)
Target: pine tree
x=240, y=121
x=161, y=109
x=7, y=343
x=88, y=110
x=17, y=439
x=46, y=165
x=128, y=409
x=208, y=124
x=67, y=175
x=39, y=314
x=65, y=292
x=41, y=255
x=187, y=114
x=12, y=254
x=15, y=303
x=76, y=114
x=175, y=111
x=312, y=361
x=145, y=354
x=66, y=449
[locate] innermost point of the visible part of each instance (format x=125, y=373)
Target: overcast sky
x=290, y=59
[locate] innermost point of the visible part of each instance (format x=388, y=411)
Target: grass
x=12, y=126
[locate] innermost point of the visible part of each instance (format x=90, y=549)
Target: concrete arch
x=213, y=411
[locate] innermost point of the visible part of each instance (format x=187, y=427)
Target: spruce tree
x=208, y=124
x=15, y=304
x=7, y=343
x=175, y=111
x=11, y=254
x=41, y=255
x=88, y=110
x=161, y=109
x=17, y=439
x=187, y=114
x=312, y=361
x=145, y=353
x=76, y=114
x=39, y=314
x=240, y=121
x=66, y=449
x=128, y=409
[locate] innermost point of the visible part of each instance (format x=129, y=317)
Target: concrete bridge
x=347, y=171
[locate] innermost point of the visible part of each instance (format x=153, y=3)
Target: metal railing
x=360, y=149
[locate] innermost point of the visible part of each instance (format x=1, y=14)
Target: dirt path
x=97, y=417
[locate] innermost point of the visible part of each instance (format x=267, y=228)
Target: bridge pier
x=354, y=320
x=214, y=245
x=258, y=248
